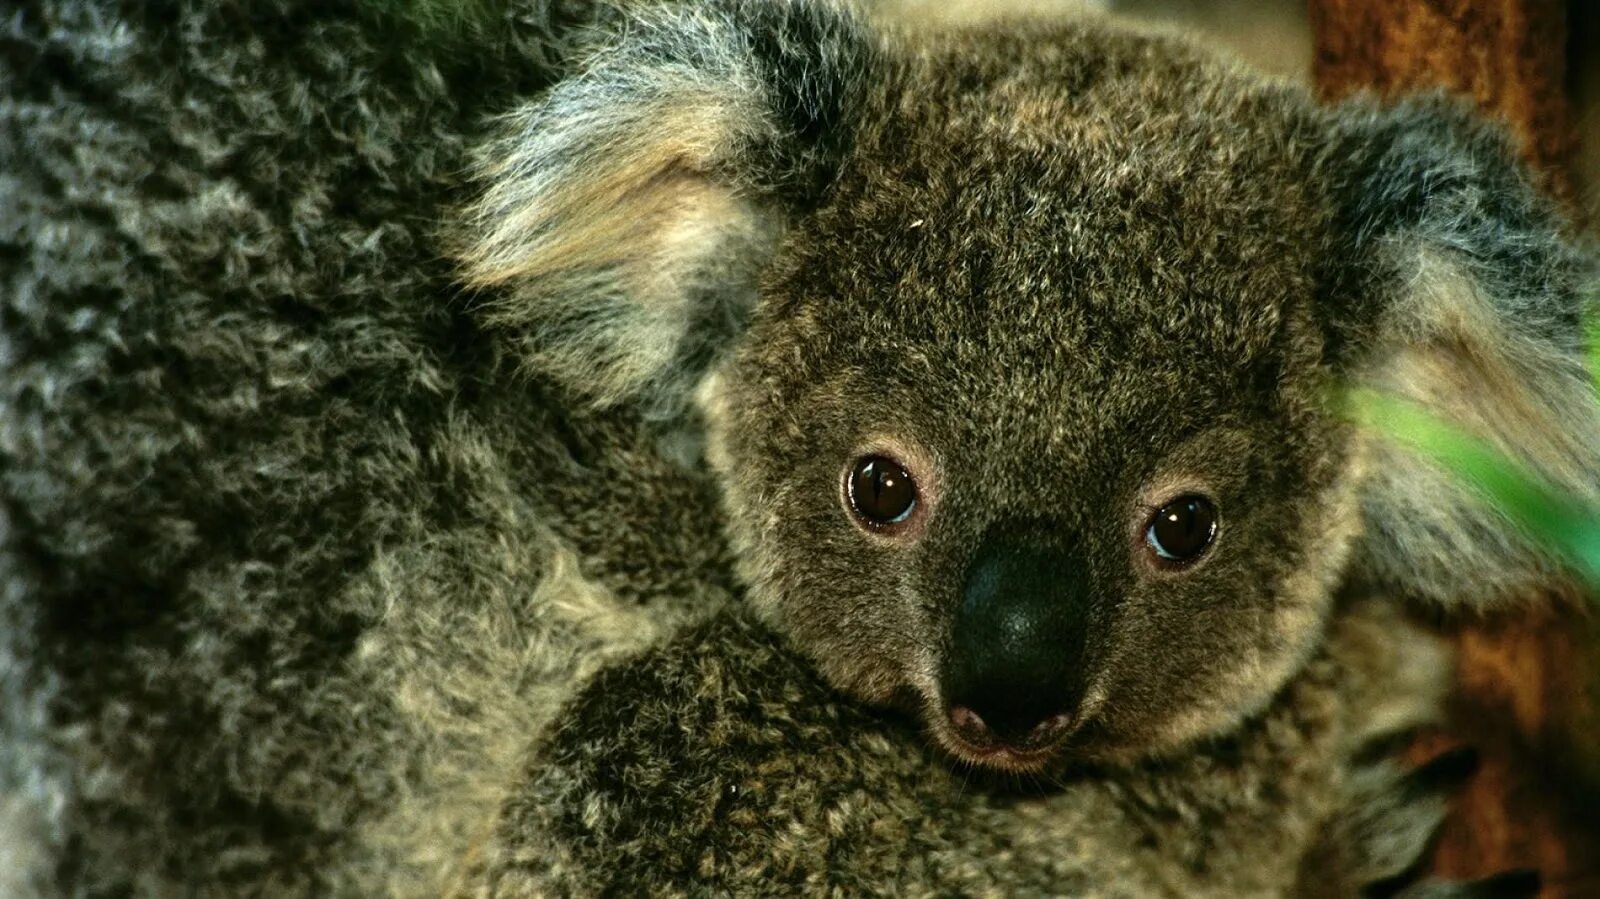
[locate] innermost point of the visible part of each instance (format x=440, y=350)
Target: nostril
x=1050, y=729
x=969, y=725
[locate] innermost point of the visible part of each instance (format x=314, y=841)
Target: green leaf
x=1570, y=529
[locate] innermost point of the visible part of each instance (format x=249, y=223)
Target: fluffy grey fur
x=293, y=561
x=343, y=373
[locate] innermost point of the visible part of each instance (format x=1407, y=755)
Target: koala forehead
x=1040, y=228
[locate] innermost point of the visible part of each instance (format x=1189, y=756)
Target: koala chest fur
x=373, y=378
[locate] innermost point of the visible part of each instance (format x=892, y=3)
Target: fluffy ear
x=1456, y=286
x=625, y=216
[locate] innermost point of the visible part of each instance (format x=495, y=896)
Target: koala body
x=357, y=363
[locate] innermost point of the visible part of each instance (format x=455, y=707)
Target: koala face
x=1016, y=348
x=1057, y=494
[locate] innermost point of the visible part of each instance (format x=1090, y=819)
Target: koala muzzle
x=1014, y=673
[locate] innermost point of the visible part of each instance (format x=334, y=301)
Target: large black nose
x=1015, y=670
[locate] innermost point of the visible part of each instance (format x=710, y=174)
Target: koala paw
x=718, y=763
x=1376, y=844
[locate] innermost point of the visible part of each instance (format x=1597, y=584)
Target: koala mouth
x=1004, y=758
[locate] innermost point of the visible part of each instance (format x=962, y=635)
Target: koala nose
x=1015, y=670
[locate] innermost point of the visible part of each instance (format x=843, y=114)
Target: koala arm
x=719, y=763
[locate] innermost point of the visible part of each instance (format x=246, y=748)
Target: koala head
x=1017, y=348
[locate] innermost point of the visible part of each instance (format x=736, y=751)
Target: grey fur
x=294, y=561
x=1483, y=329
x=304, y=543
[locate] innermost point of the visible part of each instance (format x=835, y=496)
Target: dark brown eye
x=881, y=491
x=1182, y=529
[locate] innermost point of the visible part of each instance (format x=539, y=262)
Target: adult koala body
x=299, y=560
x=293, y=561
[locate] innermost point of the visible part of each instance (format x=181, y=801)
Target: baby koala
x=1018, y=351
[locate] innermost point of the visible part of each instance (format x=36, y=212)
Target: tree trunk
x=1528, y=684
x=1508, y=55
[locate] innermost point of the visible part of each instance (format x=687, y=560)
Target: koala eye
x=1182, y=529
x=881, y=491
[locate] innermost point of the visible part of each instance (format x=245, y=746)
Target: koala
x=377, y=376
x=1024, y=420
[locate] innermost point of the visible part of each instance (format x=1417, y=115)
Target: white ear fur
x=610, y=220
x=1456, y=285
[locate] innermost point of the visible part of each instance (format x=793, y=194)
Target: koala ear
x=625, y=217
x=1456, y=286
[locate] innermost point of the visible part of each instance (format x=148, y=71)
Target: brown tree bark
x=1509, y=55
x=1528, y=683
